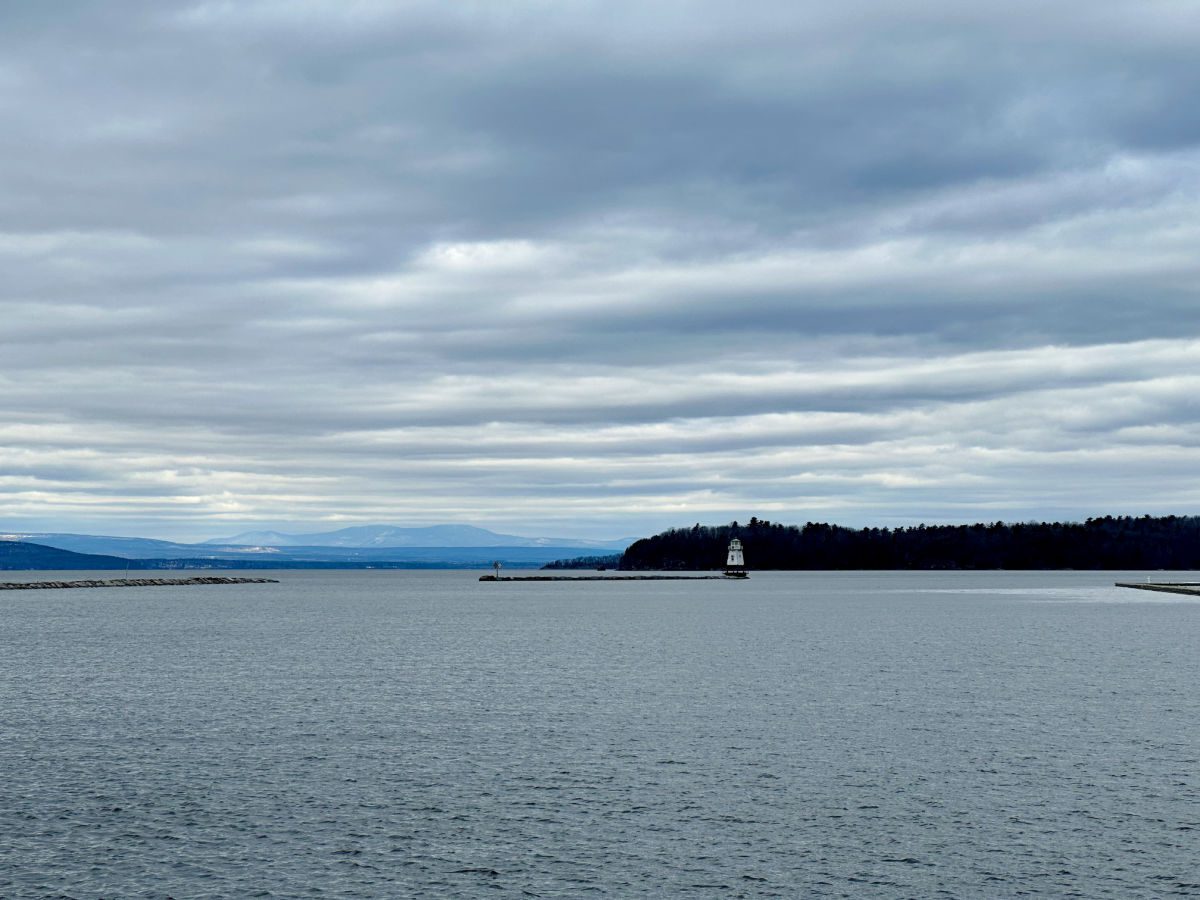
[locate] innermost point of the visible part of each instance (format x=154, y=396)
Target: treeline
x=609, y=561
x=1111, y=542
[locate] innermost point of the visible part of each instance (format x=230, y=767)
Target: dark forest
x=1111, y=542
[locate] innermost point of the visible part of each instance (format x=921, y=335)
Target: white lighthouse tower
x=735, y=562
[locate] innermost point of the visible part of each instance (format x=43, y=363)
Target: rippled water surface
x=405, y=734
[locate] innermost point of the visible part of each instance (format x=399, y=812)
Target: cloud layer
x=595, y=268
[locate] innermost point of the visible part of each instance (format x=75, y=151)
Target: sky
x=596, y=268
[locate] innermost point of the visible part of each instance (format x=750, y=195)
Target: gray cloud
x=595, y=267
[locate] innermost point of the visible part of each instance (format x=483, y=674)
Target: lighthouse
x=735, y=562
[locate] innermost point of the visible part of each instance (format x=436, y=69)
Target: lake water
x=414, y=734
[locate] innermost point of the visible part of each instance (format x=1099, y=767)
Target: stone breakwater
x=1191, y=588
x=602, y=578
x=130, y=582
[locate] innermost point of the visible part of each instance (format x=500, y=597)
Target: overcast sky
x=596, y=268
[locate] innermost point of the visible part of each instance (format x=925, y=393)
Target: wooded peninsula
x=1110, y=542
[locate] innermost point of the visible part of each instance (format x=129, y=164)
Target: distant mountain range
x=439, y=546
x=365, y=536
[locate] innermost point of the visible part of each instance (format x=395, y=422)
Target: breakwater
x=1191, y=588
x=130, y=582
x=603, y=578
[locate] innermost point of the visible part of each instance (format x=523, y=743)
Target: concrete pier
x=1191, y=588
x=130, y=582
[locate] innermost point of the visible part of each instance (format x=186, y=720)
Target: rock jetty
x=130, y=582
x=1191, y=588
x=602, y=578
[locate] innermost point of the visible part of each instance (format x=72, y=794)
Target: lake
x=422, y=734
